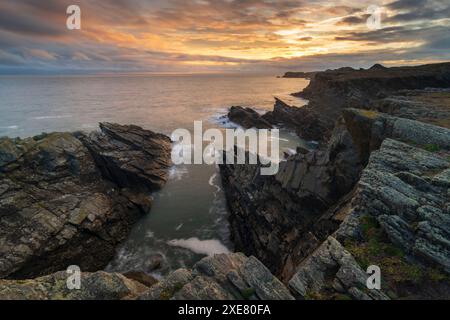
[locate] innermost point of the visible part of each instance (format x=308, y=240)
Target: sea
x=188, y=219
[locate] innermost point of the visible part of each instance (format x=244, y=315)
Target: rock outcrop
x=248, y=118
x=94, y=286
x=305, y=122
x=71, y=198
x=390, y=169
x=270, y=214
x=333, y=90
x=397, y=220
x=222, y=277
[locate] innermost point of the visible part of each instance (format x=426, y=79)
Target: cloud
x=217, y=35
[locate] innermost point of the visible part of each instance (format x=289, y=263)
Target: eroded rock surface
x=71, y=198
x=398, y=221
x=222, y=277
x=94, y=286
x=248, y=118
x=282, y=220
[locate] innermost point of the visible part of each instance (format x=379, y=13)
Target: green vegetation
x=376, y=249
x=248, y=293
x=168, y=293
x=314, y=296
x=342, y=297
x=432, y=147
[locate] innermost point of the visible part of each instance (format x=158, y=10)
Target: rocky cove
x=375, y=192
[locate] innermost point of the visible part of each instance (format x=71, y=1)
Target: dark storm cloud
x=354, y=19
x=31, y=25
x=412, y=10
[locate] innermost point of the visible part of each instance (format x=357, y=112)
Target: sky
x=185, y=36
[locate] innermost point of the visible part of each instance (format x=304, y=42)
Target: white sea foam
x=52, y=117
x=223, y=121
x=10, y=127
x=212, y=182
x=206, y=247
x=179, y=227
x=177, y=172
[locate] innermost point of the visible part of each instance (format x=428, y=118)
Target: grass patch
x=432, y=147
x=248, y=293
x=168, y=293
x=397, y=272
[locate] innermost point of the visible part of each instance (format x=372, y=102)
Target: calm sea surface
x=189, y=216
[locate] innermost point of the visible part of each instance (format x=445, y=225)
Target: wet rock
x=130, y=156
x=270, y=215
x=222, y=277
x=305, y=121
x=68, y=200
x=248, y=118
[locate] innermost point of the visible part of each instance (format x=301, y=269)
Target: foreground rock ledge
x=70, y=198
x=222, y=277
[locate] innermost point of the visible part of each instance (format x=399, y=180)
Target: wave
x=212, y=183
x=223, y=121
x=51, y=117
x=177, y=172
x=206, y=247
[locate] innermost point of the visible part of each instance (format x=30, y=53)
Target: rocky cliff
x=332, y=90
x=70, y=198
x=377, y=194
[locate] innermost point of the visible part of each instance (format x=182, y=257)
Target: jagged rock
x=130, y=156
x=283, y=219
x=369, y=129
x=62, y=203
x=222, y=277
x=248, y=118
x=399, y=189
x=428, y=105
x=333, y=90
x=331, y=268
x=305, y=121
x=94, y=286
x=270, y=215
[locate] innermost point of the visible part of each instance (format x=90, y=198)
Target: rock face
x=332, y=272
x=71, y=198
x=94, y=286
x=307, y=123
x=248, y=118
x=428, y=105
x=286, y=220
x=333, y=90
x=398, y=221
x=222, y=277
x=270, y=214
x=305, y=75
x=130, y=156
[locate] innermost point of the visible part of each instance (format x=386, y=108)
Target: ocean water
x=189, y=217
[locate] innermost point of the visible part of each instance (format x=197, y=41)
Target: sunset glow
x=219, y=35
